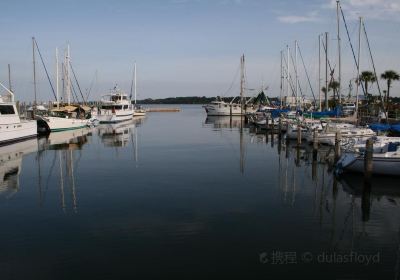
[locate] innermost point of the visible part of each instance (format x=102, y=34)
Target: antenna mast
x=339, y=52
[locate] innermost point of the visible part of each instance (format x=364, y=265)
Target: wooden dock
x=163, y=110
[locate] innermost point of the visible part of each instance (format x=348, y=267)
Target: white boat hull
x=225, y=110
x=109, y=117
x=381, y=163
x=17, y=131
x=59, y=124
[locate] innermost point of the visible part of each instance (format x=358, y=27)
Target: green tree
x=367, y=77
x=334, y=85
x=389, y=76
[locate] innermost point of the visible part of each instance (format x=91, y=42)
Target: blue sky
x=186, y=47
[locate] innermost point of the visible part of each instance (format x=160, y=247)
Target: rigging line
x=305, y=69
x=288, y=76
x=373, y=65
x=234, y=80
x=301, y=92
x=329, y=63
x=91, y=86
x=290, y=81
x=351, y=45
x=76, y=80
x=48, y=177
x=45, y=69
x=74, y=93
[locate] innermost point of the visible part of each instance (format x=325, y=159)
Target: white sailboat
x=12, y=128
x=347, y=131
x=384, y=163
x=66, y=117
x=139, y=111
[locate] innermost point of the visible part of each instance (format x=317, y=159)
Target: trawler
x=115, y=107
x=12, y=128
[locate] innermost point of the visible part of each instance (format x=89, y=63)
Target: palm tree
x=323, y=89
x=367, y=77
x=389, y=76
x=334, y=85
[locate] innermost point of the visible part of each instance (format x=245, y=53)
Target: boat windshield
x=7, y=110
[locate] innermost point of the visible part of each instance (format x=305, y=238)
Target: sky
x=189, y=47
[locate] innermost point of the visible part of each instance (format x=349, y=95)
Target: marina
x=200, y=140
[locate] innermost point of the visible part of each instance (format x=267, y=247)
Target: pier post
x=280, y=128
x=266, y=122
x=369, y=149
x=298, y=134
x=315, y=144
x=272, y=138
x=338, y=139
x=272, y=124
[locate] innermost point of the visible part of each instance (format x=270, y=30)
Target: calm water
x=179, y=195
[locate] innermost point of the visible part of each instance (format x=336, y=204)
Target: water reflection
x=11, y=163
x=248, y=190
x=119, y=134
x=224, y=121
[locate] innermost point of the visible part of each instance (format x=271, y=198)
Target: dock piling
x=368, y=159
x=338, y=139
x=315, y=144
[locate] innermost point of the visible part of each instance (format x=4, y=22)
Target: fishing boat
x=12, y=128
x=116, y=107
x=221, y=108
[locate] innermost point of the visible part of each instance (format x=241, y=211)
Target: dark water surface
x=176, y=195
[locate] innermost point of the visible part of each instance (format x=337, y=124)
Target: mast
x=134, y=78
x=68, y=80
x=34, y=76
x=339, y=52
x=319, y=71
x=358, y=65
x=288, y=70
x=281, y=89
x=297, y=77
x=326, y=71
x=9, y=77
x=58, y=102
x=241, y=83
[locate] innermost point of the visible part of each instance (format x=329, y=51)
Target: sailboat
x=64, y=117
x=139, y=111
x=222, y=108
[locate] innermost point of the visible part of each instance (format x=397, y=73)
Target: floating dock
x=163, y=109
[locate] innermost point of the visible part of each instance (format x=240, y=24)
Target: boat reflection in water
x=225, y=121
x=63, y=145
x=379, y=189
x=68, y=139
x=10, y=165
x=119, y=134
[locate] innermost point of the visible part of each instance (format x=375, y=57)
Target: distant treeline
x=184, y=100
x=206, y=100
x=179, y=100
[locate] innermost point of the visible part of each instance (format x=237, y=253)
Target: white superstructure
x=115, y=107
x=12, y=128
